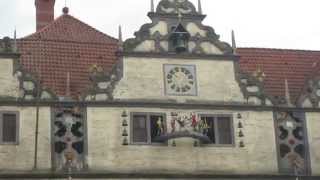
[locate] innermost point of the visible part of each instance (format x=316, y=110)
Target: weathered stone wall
x=9, y=83
x=144, y=79
x=313, y=128
x=106, y=151
x=21, y=156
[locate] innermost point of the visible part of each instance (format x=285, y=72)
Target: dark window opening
x=218, y=129
x=9, y=128
x=146, y=127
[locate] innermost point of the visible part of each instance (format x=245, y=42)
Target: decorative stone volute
x=6, y=45
x=155, y=37
x=172, y=6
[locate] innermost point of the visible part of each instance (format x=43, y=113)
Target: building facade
x=172, y=102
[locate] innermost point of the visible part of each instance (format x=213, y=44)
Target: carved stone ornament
x=155, y=37
x=103, y=83
x=172, y=6
x=311, y=93
x=31, y=88
x=6, y=45
x=252, y=87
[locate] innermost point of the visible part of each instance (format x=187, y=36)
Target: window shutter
x=139, y=133
x=224, y=128
x=9, y=126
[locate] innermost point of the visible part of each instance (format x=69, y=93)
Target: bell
x=179, y=39
x=180, y=43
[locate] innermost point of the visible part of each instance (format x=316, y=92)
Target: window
x=9, y=128
x=146, y=127
x=219, y=129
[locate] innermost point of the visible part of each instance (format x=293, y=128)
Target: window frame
x=147, y=114
x=216, y=132
x=17, y=140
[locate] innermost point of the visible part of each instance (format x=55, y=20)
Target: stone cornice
x=179, y=56
x=150, y=175
x=164, y=104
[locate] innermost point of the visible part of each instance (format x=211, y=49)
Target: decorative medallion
x=180, y=80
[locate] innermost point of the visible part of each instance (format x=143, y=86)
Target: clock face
x=180, y=79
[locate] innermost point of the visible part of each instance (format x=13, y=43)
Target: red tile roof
x=278, y=64
x=67, y=45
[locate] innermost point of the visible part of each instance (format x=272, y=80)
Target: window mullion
x=1, y=129
x=216, y=130
x=148, y=129
x=17, y=128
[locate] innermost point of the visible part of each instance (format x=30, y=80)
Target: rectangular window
x=9, y=128
x=219, y=129
x=146, y=127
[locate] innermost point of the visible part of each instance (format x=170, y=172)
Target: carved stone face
x=180, y=79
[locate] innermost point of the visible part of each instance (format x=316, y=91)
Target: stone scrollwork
x=6, y=45
x=311, y=93
x=252, y=88
x=172, y=6
x=155, y=37
x=102, y=83
x=31, y=88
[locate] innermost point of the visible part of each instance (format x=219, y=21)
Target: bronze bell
x=179, y=39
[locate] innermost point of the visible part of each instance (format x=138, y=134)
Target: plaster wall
x=144, y=79
x=313, y=126
x=9, y=83
x=106, y=151
x=21, y=156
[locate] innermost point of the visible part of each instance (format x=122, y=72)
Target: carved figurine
x=160, y=127
x=194, y=121
x=173, y=125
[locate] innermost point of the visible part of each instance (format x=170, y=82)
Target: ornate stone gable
x=155, y=36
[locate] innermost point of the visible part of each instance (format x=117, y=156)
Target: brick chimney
x=44, y=12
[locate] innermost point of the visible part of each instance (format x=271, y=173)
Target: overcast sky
x=289, y=24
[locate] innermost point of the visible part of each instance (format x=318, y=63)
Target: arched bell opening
x=179, y=39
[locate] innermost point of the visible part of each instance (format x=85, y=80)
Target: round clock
x=180, y=79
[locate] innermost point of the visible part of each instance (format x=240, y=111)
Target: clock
x=180, y=79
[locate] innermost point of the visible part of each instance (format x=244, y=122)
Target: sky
x=285, y=24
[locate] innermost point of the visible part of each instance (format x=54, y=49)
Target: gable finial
x=120, y=43
x=179, y=16
x=15, y=47
x=152, y=5
x=234, y=44
x=287, y=92
x=199, y=7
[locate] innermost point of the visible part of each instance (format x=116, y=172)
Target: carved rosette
x=155, y=37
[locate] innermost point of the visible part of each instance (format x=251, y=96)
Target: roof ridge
x=90, y=27
x=44, y=28
x=279, y=49
x=60, y=18
x=65, y=41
